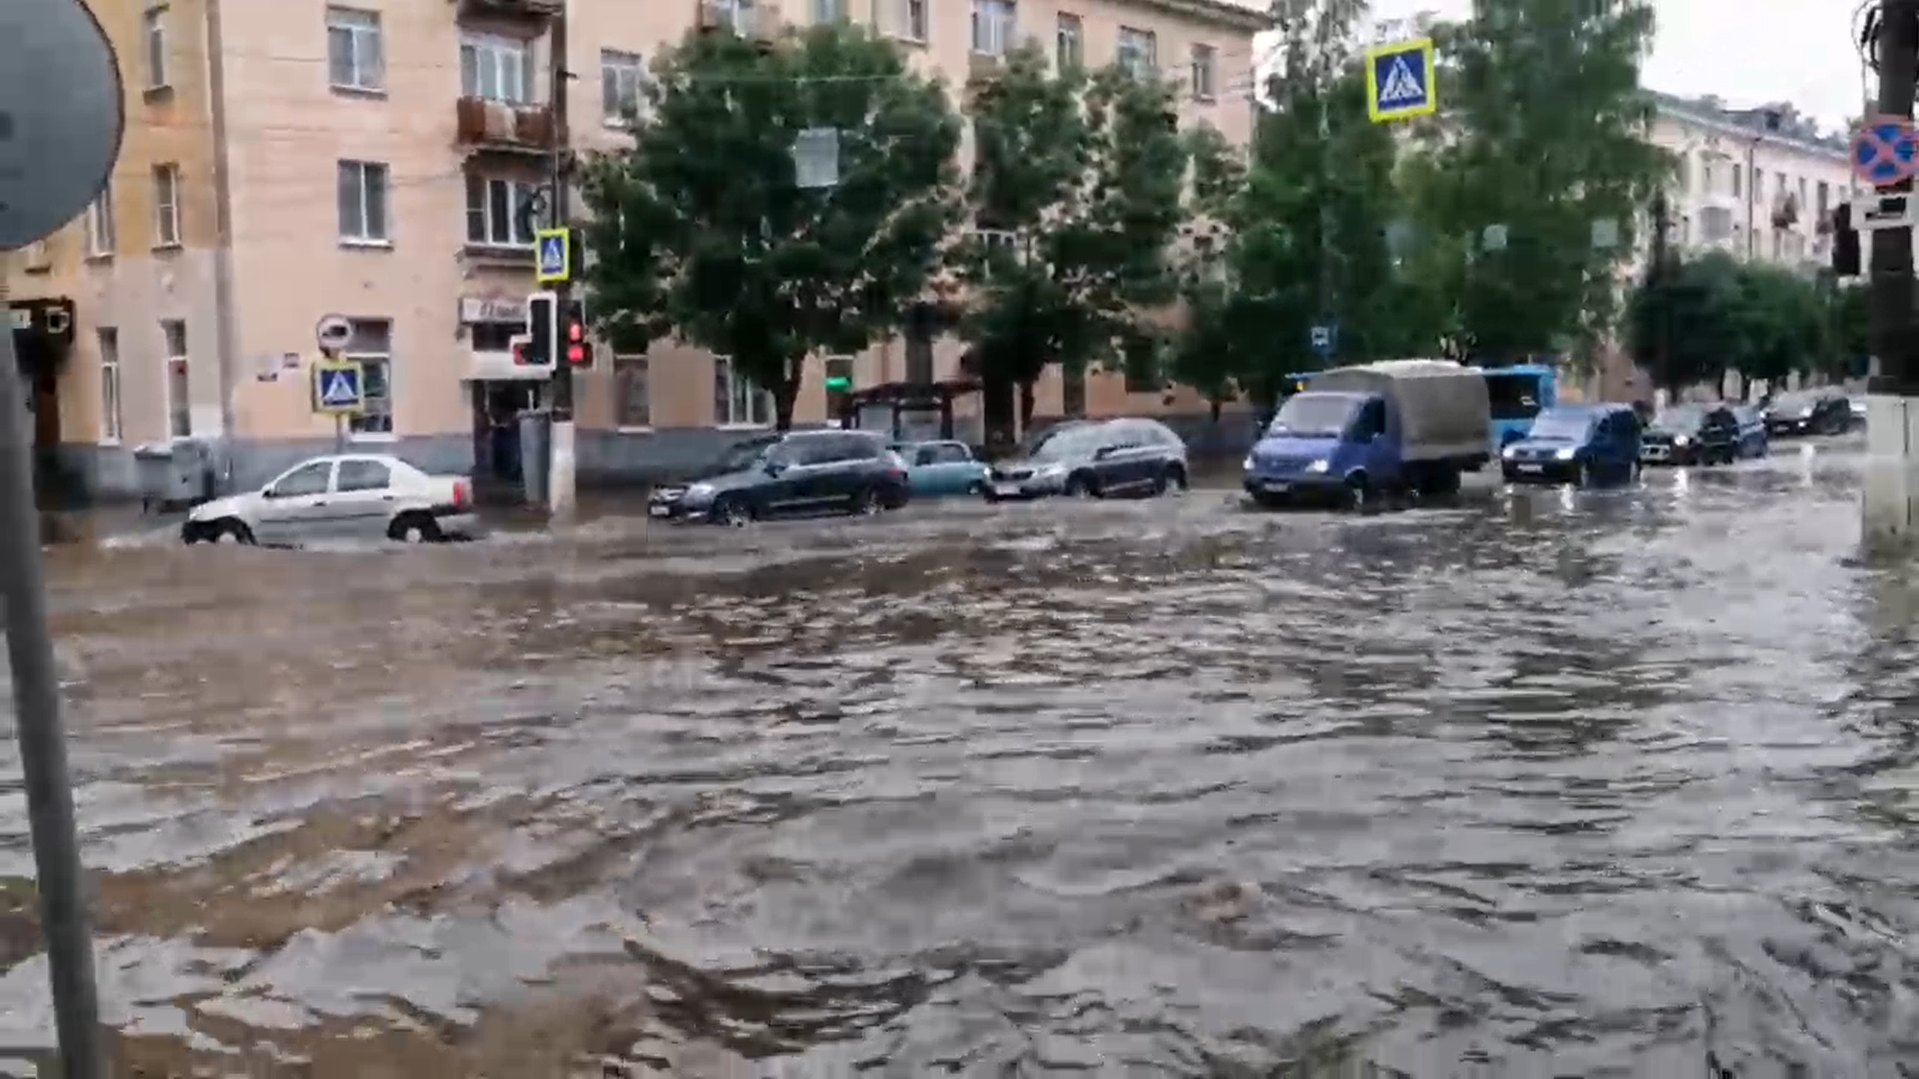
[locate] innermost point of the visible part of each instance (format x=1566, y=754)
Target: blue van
x=1356, y=433
x=1583, y=445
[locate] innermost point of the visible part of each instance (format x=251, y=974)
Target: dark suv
x=1100, y=458
x=1691, y=435
x=788, y=475
x=1808, y=413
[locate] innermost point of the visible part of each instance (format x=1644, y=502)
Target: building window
x=736, y=13
x=493, y=217
x=100, y=224
x=371, y=346
x=826, y=11
x=495, y=68
x=1069, y=43
x=109, y=339
x=1737, y=175
x=154, y=33
x=1138, y=51
x=363, y=191
x=622, y=76
x=737, y=402
x=912, y=20
x=166, y=205
x=356, y=53
x=1140, y=363
x=993, y=22
x=1715, y=224
x=179, y=390
x=1205, y=73
x=632, y=403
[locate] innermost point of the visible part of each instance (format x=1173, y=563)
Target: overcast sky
x=1746, y=51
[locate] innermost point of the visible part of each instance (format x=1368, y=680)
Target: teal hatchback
x=944, y=467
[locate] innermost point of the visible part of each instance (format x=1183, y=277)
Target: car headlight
x=1682, y=440
x=1247, y=464
x=1566, y=454
x=1509, y=453
x=1320, y=465
x=701, y=491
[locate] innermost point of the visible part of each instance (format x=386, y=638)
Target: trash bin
x=173, y=474
x=536, y=446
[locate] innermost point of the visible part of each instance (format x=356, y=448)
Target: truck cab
x=1516, y=396
x=1359, y=432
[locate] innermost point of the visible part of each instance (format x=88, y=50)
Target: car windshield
x=1054, y=432
x=1313, y=415
x=1684, y=418
x=1077, y=442
x=1567, y=426
x=744, y=455
x=1793, y=402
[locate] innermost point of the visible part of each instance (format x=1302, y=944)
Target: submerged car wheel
x=414, y=528
x=1359, y=492
x=1078, y=486
x=867, y=503
x=730, y=511
x=977, y=489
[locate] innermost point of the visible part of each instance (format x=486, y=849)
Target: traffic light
x=542, y=329
x=1845, y=242
x=579, y=348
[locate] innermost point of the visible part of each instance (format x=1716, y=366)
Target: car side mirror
x=774, y=468
x=1104, y=452
x=270, y=493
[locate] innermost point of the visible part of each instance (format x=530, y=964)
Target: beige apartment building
x=289, y=161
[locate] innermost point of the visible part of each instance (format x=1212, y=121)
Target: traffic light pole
x=563, y=462
x=1890, y=509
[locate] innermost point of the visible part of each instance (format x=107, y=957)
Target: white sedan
x=352, y=496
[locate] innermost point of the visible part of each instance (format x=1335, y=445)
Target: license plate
x=1275, y=487
x=1006, y=490
x=1532, y=468
x=657, y=510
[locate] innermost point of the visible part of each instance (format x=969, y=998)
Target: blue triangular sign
x=341, y=391
x=552, y=254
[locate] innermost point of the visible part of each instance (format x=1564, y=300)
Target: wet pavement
x=1549, y=784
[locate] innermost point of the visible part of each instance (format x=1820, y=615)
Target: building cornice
x=1217, y=12
x=1697, y=116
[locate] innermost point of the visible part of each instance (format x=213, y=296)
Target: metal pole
x=339, y=433
x=560, y=448
x=1891, y=267
x=43, y=747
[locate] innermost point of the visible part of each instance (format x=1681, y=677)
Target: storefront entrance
x=42, y=338
x=497, y=405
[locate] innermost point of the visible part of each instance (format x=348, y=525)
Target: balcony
x=505, y=127
x=507, y=9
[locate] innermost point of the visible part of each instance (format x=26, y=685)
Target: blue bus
x=1518, y=395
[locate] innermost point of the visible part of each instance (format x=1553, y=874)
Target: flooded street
x=1547, y=784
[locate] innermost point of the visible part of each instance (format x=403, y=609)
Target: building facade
x=1755, y=183
x=366, y=159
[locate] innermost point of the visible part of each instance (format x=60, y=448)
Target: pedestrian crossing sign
x=554, y=248
x=339, y=389
x=1399, y=81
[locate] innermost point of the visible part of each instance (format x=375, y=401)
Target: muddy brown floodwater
x=1606, y=783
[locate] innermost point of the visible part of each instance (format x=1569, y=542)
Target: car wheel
x=414, y=528
x=1176, y=475
x=1359, y=493
x=730, y=511
x=978, y=489
x=228, y=531
x=1078, y=486
x=866, y=503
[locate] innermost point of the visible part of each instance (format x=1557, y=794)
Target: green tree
x=1544, y=135
x=1781, y=318
x=1077, y=196
x=1684, y=324
x=701, y=230
x=1306, y=226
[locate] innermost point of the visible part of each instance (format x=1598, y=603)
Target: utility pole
x=1890, y=509
x=563, y=464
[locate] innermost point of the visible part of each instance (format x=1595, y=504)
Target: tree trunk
x=1217, y=406
x=785, y=394
x=1025, y=407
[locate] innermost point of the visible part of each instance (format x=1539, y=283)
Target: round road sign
x=332, y=333
x=60, y=116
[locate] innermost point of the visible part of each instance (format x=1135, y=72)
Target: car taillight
x=462, y=495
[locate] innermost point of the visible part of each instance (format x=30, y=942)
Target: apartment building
x=1757, y=183
x=367, y=158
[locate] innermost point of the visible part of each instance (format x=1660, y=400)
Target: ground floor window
x=109, y=384
x=632, y=402
x=737, y=401
x=173, y=331
x=371, y=346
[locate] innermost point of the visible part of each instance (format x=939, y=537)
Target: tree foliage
x=1545, y=134
x=701, y=232
x=1703, y=317
x=1077, y=196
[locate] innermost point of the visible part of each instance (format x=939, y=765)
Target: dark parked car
x=1691, y=435
x=1809, y=413
x=794, y=474
x=1583, y=445
x=1113, y=457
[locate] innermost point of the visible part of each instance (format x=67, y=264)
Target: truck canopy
x=1442, y=407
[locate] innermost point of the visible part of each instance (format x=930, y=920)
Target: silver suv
x=1101, y=459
